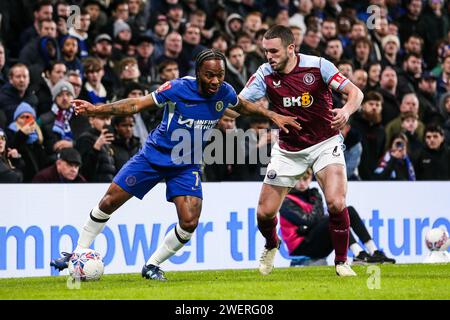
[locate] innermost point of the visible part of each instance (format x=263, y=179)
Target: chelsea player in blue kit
x=193, y=105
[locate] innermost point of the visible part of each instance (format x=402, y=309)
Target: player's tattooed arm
x=249, y=108
x=119, y=108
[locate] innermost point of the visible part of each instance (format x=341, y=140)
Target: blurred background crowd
x=397, y=52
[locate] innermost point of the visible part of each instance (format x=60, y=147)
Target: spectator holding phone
x=396, y=164
x=25, y=135
x=10, y=162
x=96, y=152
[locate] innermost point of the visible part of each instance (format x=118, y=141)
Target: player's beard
x=280, y=66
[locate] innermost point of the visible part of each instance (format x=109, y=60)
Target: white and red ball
x=86, y=265
x=436, y=238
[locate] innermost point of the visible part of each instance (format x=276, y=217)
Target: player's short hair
x=282, y=32
x=209, y=54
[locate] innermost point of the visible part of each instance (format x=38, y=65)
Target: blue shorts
x=138, y=176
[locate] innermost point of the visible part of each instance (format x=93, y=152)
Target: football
x=86, y=265
x=436, y=239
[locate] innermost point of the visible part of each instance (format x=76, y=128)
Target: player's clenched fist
x=83, y=107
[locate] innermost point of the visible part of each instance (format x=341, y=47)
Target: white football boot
x=343, y=269
x=266, y=260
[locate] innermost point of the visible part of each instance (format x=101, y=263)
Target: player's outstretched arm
x=249, y=108
x=354, y=99
x=119, y=108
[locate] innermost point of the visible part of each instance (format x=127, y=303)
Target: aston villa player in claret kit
x=300, y=85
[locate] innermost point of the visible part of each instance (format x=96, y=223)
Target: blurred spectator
x=80, y=30
x=434, y=161
x=61, y=16
x=65, y=170
x=144, y=56
x=159, y=33
x=55, y=123
x=388, y=89
x=408, y=23
x=373, y=77
x=93, y=89
x=245, y=40
x=95, y=149
x=54, y=72
x=329, y=30
x=10, y=162
x=79, y=123
x=433, y=25
x=352, y=152
x=237, y=73
x=128, y=72
x=368, y=123
x=252, y=23
x=125, y=144
x=444, y=106
x=138, y=15
x=122, y=41
x=410, y=123
x=396, y=164
x=102, y=50
x=191, y=45
x=75, y=80
x=16, y=91
x=69, y=52
x=305, y=227
x=357, y=30
x=43, y=10
x=298, y=37
x=333, y=50
x=428, y=100
x=311, y=41
x=361, y=53
x=220, y=41
x=175, y=17
x=173, y=46
x=410, y=103
x=234, y=25
x=413, y=44
x=408, y=78
x=304, y=8
x=40, y=44
x=25, y=135
x=119, y=11
x=198, y=18
x=359, y=78
x=443, y=84
x=98, y=17
x=391, y=46
x=2, y=65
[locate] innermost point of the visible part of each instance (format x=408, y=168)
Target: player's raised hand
x=83, y=108
x=340, y=118
x=283, y=121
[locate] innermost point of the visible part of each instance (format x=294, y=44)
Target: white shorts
x=286, y=167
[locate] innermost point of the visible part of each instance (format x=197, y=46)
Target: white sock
x=370, y=246
x=356, y=249
x=93, y=226
x=175, y=239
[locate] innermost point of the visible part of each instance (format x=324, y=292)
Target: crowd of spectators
x=104, y=50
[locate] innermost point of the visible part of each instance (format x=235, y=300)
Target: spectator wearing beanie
x=55, y=124
x=25, y=135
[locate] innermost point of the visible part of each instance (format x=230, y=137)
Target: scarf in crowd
x=94, y=96
x=36, y=135
x=62, y=125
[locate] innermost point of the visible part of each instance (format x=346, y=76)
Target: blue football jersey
x=188, y=116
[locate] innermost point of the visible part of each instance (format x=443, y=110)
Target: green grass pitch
x=403, y=281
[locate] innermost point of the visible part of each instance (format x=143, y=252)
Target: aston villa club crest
x=309, y=78
x=276, y=84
